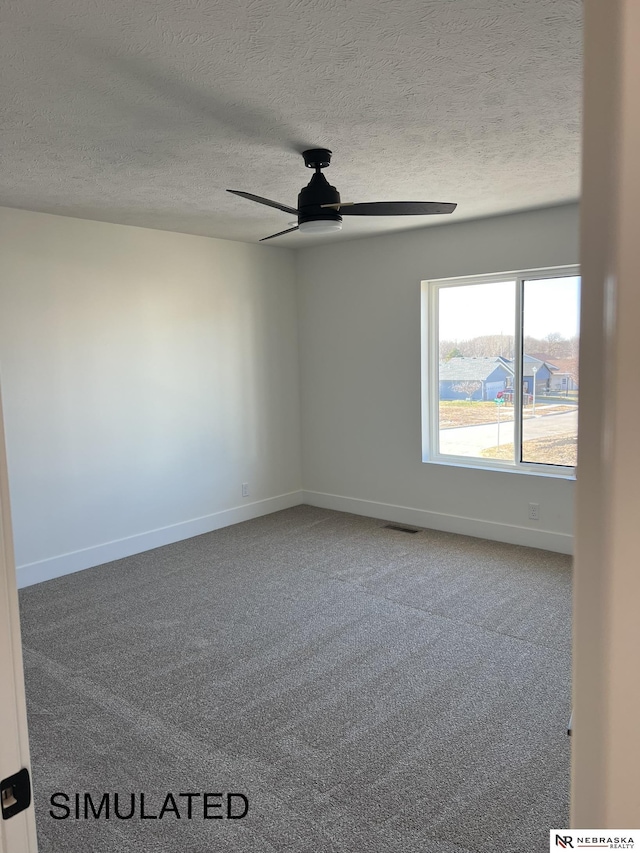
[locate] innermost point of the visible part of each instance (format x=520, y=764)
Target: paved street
x=469, y=441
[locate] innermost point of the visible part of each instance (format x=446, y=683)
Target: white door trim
x=19, y=832
x=606, y=628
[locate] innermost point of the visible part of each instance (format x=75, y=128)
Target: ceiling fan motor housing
x=318, y=192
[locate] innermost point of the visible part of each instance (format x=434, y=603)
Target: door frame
x=18, y=832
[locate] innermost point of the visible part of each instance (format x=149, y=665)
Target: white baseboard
x=548, y=540
x=65, y=564
x=75, y=561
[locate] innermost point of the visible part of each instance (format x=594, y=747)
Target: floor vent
x=401, y=529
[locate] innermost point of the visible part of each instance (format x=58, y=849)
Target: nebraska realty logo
x=578, y=839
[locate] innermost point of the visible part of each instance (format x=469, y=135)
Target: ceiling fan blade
x=266, y=201
x=279, y=234
x=397, y=208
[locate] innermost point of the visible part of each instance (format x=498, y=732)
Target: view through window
x=504, y=378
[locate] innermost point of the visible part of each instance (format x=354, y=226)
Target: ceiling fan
x=320, y=210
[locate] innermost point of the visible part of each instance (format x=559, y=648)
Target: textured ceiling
x=143, y=111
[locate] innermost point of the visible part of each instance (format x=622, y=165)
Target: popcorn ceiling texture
x=144, y=112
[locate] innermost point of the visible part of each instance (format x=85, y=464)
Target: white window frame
x=430, y=372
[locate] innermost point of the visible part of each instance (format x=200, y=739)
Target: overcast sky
x=550, y=305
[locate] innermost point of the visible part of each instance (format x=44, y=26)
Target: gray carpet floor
x=369, y=691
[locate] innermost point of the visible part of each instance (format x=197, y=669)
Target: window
x=500, y=371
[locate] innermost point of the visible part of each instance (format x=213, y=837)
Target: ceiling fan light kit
x=320, y=226
x=320, y=209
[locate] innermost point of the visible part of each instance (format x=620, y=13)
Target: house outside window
x=500, y=377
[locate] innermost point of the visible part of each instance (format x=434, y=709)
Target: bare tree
x=449, y=349
x=468, y=388
x=556, y=345
x=552, y=346
x=484, y=346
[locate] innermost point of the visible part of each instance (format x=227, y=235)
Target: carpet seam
x=434, y=614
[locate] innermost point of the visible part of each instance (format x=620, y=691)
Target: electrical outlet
x=534, y=512
x=245, y=490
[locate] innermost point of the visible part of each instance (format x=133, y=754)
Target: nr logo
x=564, y=841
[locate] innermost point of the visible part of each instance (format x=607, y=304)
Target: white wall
x=145, y=376
x=359, y=322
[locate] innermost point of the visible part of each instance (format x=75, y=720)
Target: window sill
x=556, y=473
